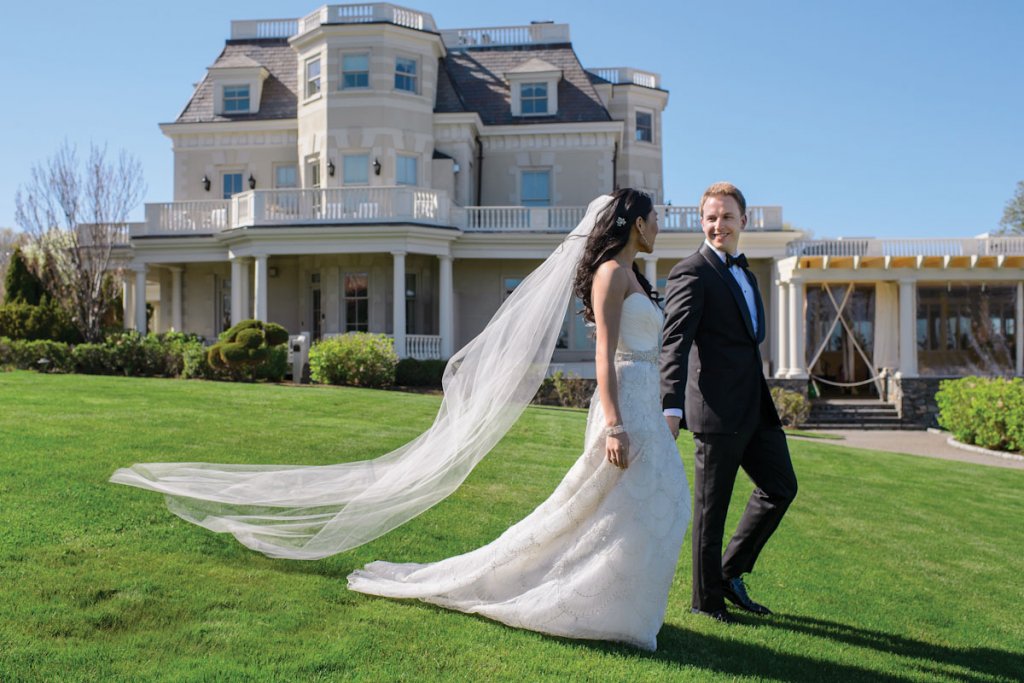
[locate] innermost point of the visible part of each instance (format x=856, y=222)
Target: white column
x=908, y=335
x=398, y=309
x=1019, y=329
x=140, y=299
x=446, y=310
x=236, y=290
x=651, y=271
x=127, y=300
x=260, y=295
x=244, y=296
x=782, y=330
x=797, y=358
x=176, y=298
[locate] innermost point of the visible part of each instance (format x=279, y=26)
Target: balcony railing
x=423, y=346
x=382, y=12
x=367, y=205
x=532, y=34
x=866, y=247
x=626, y=75
x=339, y=205
x=189, y=217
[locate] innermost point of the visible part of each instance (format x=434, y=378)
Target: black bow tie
x=740, y=261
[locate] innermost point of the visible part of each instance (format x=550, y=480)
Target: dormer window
x=236, y=99
x=533, y=98
x=534, y=88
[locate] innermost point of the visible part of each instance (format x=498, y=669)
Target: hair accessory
x=620, y=221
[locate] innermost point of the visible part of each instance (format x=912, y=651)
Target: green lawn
x=887, y=567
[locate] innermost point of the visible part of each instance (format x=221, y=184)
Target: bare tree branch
x=74, y=216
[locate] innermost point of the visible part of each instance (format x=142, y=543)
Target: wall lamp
x=252, y=182
x=376, y=166
x=206, y=183
x=330, y=167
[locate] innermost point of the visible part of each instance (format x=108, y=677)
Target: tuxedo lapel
x=760, y=306
x=737, y=294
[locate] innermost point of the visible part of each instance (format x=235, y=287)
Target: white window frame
x=523, y=100
x=234, y=98
x=345, y=299
x=407, y=158
x=295, y=170
x=522, y=173
x=345, y=165
x=224, y=173
x=308, y=80
x=636, y=126
x=415, y=76
x=343, y=72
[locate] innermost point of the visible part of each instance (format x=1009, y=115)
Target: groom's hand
x=673, y=425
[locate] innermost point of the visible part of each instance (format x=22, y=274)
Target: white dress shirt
x=748, y=296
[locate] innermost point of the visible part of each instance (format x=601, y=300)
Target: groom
x=712, y=383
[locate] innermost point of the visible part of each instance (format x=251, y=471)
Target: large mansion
x=361, y=168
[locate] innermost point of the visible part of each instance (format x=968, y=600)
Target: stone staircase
x=845, y=413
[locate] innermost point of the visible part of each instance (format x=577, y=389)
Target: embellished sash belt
x=638, y=356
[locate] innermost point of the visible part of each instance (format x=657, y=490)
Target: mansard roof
x=469, y=80
x=279, y=99
x=478, y=77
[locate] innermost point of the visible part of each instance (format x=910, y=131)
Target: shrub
x=131, y=354
x=792, y=407
x=987, y=412
x=357, y=359
x=46, y=321
x=411, y=372
x=27, y=354
x=568, y=390
x=251, y=349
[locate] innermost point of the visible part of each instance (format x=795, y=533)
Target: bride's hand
x=616, y=448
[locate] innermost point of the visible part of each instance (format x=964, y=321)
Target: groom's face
x=723, y=222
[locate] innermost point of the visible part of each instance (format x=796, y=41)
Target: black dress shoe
x=721, y=615
x=736, y=593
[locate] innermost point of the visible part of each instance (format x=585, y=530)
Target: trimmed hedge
x=358, y=359
x=251, y=349
x=986, y=412
x=46, y=321
x=420, y=373
x=793, y=408
x=36, y=354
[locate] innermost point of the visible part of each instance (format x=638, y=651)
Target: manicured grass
x=887, y=567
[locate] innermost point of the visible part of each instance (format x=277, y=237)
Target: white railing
x=249, y=29
x=868, y=247
x=626, y=74
x=423, y=346
x=196, y=216
x=339, y=205
x=348, y=205
x=533, y=34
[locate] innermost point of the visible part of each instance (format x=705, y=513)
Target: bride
x=596, y=559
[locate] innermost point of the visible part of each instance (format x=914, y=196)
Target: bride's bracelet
x=614, y=430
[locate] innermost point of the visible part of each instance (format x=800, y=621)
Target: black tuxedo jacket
x=710, y=362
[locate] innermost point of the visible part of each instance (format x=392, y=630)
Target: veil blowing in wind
x=311, y=512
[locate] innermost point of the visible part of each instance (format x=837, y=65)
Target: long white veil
x=306, y=513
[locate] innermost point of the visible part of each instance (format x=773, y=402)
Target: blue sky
x=899, y=118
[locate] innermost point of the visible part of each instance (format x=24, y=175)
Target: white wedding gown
x=597, y=558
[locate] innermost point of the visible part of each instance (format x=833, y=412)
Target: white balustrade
x=909, y=248
x=497, y=218
x=423, y=346
x=626, y=74
x=532, y=34
x=197, y=216
x=249, y=29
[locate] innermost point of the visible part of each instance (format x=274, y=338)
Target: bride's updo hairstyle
x=607, y=239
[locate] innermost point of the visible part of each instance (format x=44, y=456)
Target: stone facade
x=914, y=397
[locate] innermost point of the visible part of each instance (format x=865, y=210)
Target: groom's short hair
x=724, y=189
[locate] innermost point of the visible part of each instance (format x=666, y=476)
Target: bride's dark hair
x=607, y=239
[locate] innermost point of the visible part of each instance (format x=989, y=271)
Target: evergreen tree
x=21, y=285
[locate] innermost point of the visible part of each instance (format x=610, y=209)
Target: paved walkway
x=927, y=444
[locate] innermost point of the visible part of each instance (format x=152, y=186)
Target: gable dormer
x=534, y=88
x=237, y=85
